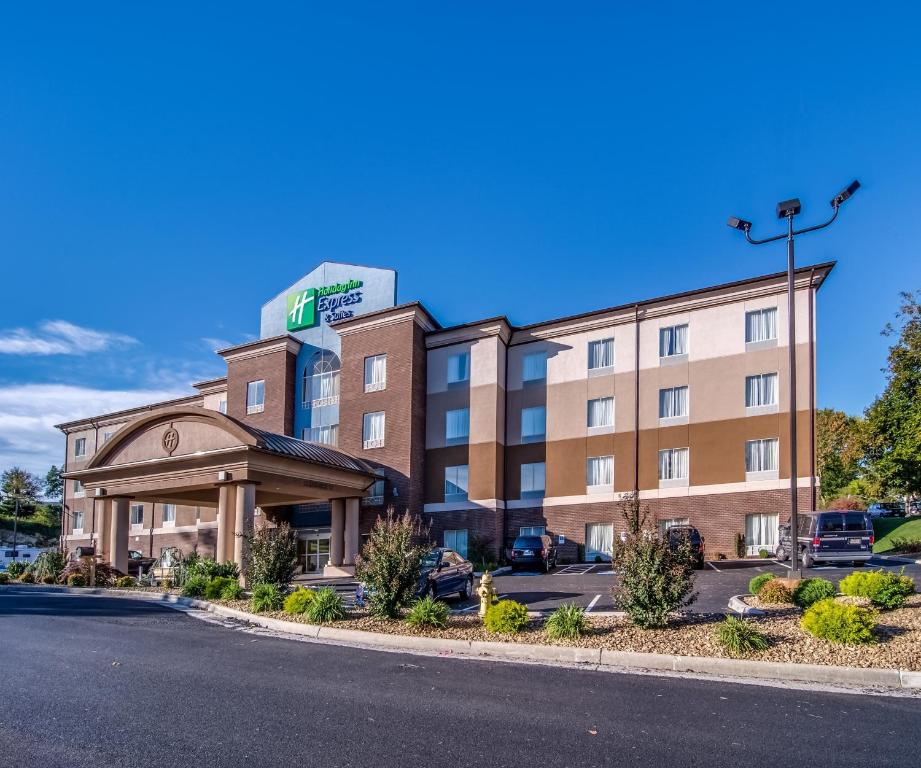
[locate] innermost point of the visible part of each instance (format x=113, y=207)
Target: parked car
x=138, y=564
x=444, y=572
x=832, y=536
x=677, y=534
x=529, y=552
x=886, y=509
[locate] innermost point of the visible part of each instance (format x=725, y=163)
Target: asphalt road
x=96, y=681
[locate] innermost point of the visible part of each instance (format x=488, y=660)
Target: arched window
x=321, y=379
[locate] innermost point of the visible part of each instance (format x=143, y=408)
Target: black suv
x=533, y=551
x=678, y=534
x=833, y=536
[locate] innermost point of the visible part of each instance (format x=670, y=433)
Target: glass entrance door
x=316, y=553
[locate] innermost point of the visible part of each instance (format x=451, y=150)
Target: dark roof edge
x=385, y=310
x=89, y=420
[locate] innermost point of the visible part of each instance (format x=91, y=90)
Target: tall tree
x=17, y=484
x=894, y=418
x=839, y=450
x=54, y=484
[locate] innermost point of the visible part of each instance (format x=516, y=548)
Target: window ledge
x=607, y=370
x=599, y=488
x=675, y=482
x=674, y=359
x=372, y=444
x=167, y=523
x=766, y=344
x=372, y=501
x=760, y=410
x=79, y=494
x=672, y=421
x=376, y=386
x=322, y=401
x=604, y=429
x=77, y=532
x=254, y=409
x=771, y=474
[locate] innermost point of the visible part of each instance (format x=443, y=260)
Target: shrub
x=839, y=623
x=755, y=585
x=272, y=556
x=325, y=606
x=775, y=593
x=266, y=597
x=106, y=575
x=194, y=587
x=905, y=544
x=810, y=591
x=740, y=637
x=48, y=564
x=428, y=612
x=566, y=622
x=76, y=580
x=4, y=577
x=655, y=579
x=764, y=554
x=232, y=590
x=887, y=590
x=299, y=600
x=390, y=563
x=27, y=578
x=214, y=589
x=125, y=582
x=16, y=569
x=507, y=617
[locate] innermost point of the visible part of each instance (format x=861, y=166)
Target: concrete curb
x=623, y=660
x=899, y=559
x=738, y=605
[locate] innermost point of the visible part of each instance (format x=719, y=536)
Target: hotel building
x=349, y=404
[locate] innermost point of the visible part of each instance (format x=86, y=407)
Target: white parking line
x=713, y=567
x=591, y=605
x=477, y=605
x=788, y=567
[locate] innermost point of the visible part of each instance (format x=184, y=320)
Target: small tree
x=272, y=555
x=391, y=562
x=54, y=484
x=655, y=579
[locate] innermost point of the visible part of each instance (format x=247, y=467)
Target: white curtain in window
x=532, y=530
x=761, y=455
x=599, y=541
x=456, y=481
x=457, y=424
x=601, y=353
x=375, y=370
x=533, y=421
x=760, y=532
x=533, y=477
x=761, y=325
x=600, y=471
x=601, y=412
x=535, y=366
x=373, y=427
x=673, y=402
x=673, y=464
x=673, y=340
x=458, y=367
x=761, y=390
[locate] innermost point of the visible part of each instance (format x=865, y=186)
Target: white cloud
x=59, y=337
x=28, y=413
x=215, y=344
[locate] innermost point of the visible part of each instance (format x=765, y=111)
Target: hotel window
x=458, y=367
x=255, y=396
x=532, y=530
x=601, y=412
x=664, y=525
x=534, y=367
x=372, y=430
x=457, y=426
x=79, y=447
x=533, y=479
x=376, y=491
x=673, y=464
x=79, y=491
x=78, y=521
x=761, y=455
x=600, y=354
x=600, y=472
x=673, y=402
x=456, y=541
x=375, y=373
x=456, y=483
x=168, y=514
x=673, y=341
x=533, y=423
x=761, y=390
x=222, y=406
x=327, y=435
x=137, y=514
x=761, y=325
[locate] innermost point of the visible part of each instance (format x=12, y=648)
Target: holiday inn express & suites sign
x=331, y=302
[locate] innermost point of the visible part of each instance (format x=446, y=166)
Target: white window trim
x=76, y=443
x=676, y=482
x=603, y=369
x=458, y=382
x=256, y=407
x=677, y=358
x=761, y=343
x=609, y=488
x=535, y=438
x=375, y=386
x=462, y=496
x=538, y=353
x=673, y=421
x=602, y=429
x=532, y=494
x=462, y=439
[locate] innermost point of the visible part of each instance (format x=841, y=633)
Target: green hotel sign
x=306, y=307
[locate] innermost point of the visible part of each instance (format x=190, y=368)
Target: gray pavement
x=95, y=681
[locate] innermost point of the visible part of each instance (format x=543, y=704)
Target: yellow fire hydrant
x=487, y=592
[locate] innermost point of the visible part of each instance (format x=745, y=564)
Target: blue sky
x=167, y=168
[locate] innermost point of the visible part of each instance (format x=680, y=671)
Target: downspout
x=505, y=454
x=636, y=404
x=812, y=495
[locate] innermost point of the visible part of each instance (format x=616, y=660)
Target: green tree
x=54, y=484
x=17, y=484
x=840, y=448
x=894, y=419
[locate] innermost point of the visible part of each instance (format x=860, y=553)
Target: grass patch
x=889, y=530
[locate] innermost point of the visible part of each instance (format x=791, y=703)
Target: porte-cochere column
x=243, y=523
x=118, y=538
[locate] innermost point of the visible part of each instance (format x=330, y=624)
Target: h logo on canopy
x=302, y=309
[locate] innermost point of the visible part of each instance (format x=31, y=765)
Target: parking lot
x=590, y=585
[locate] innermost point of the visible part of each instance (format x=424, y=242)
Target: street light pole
x=787, y=210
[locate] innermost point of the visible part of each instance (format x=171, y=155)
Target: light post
x=787, y=210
